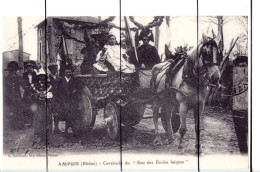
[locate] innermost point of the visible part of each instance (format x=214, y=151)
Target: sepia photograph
x=162, y=85
x=116, y=85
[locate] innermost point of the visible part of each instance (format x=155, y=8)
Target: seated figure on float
x=110, y=59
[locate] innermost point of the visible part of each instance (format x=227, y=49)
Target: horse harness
x=175, y=66
x=194, y=76
x=197, y=77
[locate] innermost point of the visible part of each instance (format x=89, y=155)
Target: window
x=40, y=51
x=40, y=32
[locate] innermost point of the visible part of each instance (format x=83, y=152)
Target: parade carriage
x=122, y=96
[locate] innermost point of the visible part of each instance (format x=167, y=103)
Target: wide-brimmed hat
x=52, y=66
x=41, y=75
x=146, y=33
x=30, y=63
x=13, y=65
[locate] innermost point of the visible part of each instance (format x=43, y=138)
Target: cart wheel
x=176, y=121
x=87, y=109
x=112, y=119
x=132, y=114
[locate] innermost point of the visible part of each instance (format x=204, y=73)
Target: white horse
x=187, y=88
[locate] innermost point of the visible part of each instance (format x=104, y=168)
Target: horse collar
x=195, y=76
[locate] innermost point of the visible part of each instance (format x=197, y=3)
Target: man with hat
x=147, y=54
x=54, y=105
x=30, y=73
x=29, y=78
x=66, y=93
x=12, y=94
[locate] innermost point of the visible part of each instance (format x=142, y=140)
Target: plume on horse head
x=207, y=53
x=168, y=53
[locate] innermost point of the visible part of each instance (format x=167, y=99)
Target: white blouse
x=112, y=55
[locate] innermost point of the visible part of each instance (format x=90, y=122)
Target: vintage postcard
x=114, y=93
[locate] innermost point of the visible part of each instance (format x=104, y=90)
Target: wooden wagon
x=122, y=96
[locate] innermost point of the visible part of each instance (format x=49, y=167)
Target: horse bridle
x=198, y=76
x=208, y=60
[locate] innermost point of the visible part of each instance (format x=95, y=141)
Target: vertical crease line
x=251, y=73
x=46, y=115
x=198, y=103
x=120, y=112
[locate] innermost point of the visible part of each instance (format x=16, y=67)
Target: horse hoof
x=201, y=153
x=180, y=146
x=157, y=143
x=170, y=141
x=181, y=150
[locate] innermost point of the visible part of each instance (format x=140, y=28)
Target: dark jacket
x=12, y=94
x=66, y=95
x=27, y=86
x=54, y=82
x=90, y=54
x=148, y=55
x=26, y=77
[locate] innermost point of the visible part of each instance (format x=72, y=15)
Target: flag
x=168, y=32
x=63, y=55
x=129, y=41
x=165, y=39
x=63, y=49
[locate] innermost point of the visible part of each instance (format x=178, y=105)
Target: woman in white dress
x=111, y=54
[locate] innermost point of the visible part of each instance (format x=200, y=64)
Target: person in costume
x=147, y=54
x=109, y=58
x=54, y=80
x=89, y=52
x=41, y=91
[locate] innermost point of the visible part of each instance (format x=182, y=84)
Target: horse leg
x=157, y=141
x=198, y=110
x=183, y=114
x=67, y=126
x=56, y=123
x=168, y=117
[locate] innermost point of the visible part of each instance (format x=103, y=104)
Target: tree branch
x=139, y=25
x=212, y=21
x=156, y=22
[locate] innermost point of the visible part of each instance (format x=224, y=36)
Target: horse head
x=210, y=57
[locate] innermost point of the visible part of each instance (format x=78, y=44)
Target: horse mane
x=194, y=54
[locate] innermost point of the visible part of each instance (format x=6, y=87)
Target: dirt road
x=217, y=137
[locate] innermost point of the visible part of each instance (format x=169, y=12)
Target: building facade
x=51, y=31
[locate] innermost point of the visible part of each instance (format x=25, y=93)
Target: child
x=42, y=120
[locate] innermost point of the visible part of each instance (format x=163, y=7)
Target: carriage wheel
x=132, y=114
x=112, y=119
x=176, y=121
x=87, y=110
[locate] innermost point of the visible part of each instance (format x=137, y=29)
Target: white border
x=147, y=8
x=255, y=86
